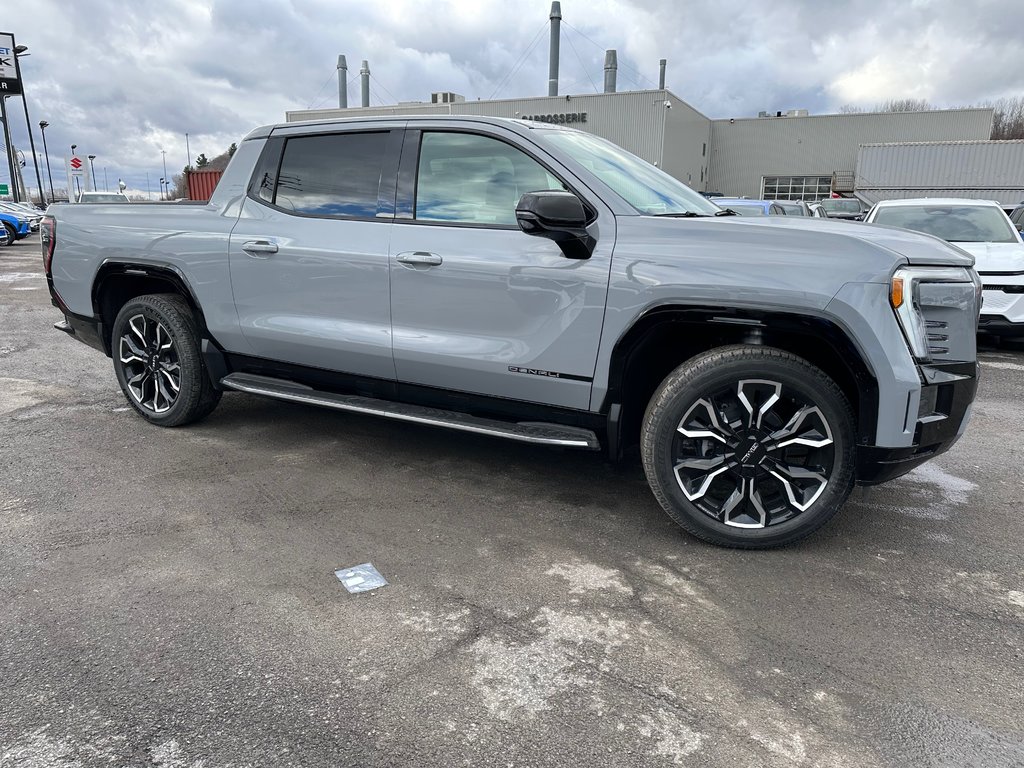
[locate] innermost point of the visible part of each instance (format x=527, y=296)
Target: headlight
x=904, y=296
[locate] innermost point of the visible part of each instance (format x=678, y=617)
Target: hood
x=995, y=257
x=918, y=249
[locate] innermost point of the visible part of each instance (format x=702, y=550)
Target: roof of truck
x=508, y=122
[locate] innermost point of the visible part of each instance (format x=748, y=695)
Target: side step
x=526, y=431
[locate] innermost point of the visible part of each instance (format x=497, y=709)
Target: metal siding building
x=730, y=156
x=992, y=170
x=744, y=151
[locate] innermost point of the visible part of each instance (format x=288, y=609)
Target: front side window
x=330, y=175
x=465, y=178
x=955, y=223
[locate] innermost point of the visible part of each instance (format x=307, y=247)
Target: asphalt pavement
x=168, y=598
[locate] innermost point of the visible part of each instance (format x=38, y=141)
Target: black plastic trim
x=87, y=330
x=415, y=394
x=935, y=432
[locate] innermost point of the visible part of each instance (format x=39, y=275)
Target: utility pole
x=9, y=147
x=92, y=166
x=188, y=153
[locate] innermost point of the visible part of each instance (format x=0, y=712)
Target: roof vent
x=446, y=97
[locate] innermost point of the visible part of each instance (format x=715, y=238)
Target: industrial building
x=782, y=155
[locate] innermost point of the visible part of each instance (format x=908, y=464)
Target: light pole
x=43, y=125
x=161, y=189
x=164, y=153
x=92, y=167
x=188, y=153
x=19, y=51
x=105, y=188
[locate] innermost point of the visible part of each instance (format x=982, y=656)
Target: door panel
x=309, y=260
x=486, y=308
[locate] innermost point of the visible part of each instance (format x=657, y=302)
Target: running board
x=525, y=431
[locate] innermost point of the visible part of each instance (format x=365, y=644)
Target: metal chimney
x=661, y=74
x=342, y=82
x=556, y=28
x=364, y=89
x=611, y=68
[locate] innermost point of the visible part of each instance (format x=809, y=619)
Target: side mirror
x=559, y=216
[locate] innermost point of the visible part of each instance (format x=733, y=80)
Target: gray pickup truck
x=540, y=284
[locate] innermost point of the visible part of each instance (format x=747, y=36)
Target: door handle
x=254, y=247
x=419, y=259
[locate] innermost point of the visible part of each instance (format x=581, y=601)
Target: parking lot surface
x=168, y=596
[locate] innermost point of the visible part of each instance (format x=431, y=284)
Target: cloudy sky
x=123, y=80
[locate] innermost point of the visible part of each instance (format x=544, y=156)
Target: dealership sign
x=10, y=82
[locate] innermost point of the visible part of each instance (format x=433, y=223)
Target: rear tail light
x=48, y=239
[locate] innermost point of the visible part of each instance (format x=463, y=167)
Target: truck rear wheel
x=749, y=447
x=155, y=348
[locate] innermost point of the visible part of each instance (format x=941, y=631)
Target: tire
x=756, y=474
x=9, y=235
x=155, y=347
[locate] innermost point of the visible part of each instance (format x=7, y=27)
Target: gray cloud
x=125, y=80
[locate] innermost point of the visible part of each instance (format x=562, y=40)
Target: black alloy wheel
x=155, y=345
x=749, y=447
x=150, y=363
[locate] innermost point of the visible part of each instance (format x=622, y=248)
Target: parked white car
x=982, y=228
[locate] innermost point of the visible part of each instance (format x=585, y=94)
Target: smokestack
x=661, y=74
x=342, y=82
x=556, y=26
x=611, y=67
x=364, y=88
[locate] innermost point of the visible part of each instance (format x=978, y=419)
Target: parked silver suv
x=537, y=283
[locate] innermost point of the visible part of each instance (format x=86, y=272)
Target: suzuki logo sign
x=76, y=163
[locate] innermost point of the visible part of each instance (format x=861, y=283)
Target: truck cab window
x=332, y=175
x=471, y=179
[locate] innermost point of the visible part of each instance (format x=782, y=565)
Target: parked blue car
x=745, y=207
x=15, y=228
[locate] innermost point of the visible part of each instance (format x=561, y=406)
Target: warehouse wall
x=687, y=144
x=745, y=150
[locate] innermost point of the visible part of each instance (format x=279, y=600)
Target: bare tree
x=850, y=109
x=1007, y=118
x=904, y=105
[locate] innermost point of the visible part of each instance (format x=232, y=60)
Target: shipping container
x=985, y=170
x=202, y=183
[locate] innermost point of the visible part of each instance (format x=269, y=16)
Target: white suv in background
x=983, y=229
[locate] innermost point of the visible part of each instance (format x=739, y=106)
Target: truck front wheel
x=155, y=347
x=749, y=447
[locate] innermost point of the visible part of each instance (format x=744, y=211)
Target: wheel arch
x=118, y=282
x=665, y=336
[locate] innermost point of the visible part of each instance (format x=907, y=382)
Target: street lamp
x=92, y=167
x=43, y=125
x=161, y=189
x=19, y=51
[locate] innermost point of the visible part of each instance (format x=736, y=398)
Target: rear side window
x=330, y=175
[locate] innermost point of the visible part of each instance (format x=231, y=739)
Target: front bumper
x=1002, y=305
x=947, y=392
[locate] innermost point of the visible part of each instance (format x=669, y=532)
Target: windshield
x=841, y=205
x=745, y=210
x=643, y=186
x=955, y=223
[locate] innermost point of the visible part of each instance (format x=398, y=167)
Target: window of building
x=471, y=179
x=796, y=187
x=332, y=175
